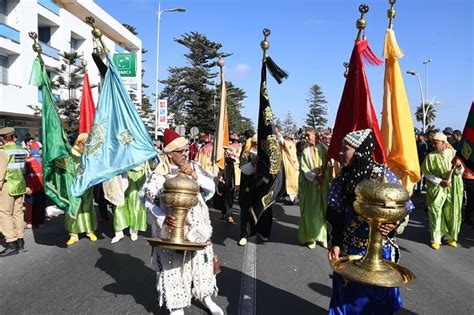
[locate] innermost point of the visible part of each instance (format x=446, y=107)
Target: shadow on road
x=270, y=300
x=132, y=277
x=321, y=289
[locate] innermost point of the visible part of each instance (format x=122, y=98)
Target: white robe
x=178, y=272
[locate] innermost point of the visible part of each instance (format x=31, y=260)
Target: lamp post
x=159, y=13
x=422, y=97
x=426, y=62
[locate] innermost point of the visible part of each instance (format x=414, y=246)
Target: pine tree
x=317, y=108
x=288, y=126
x=70, y=78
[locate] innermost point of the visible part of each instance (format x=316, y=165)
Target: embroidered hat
x=327, y=135
x=355, y=138
x=172, y=141
x=7, y=131
x=440, y=137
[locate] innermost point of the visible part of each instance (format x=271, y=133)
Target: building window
x=3, y=69
x=44, y=34
x=3, y=11
x=75, y=43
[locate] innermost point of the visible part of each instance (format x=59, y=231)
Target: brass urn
x=376, y=202
x=180, y=193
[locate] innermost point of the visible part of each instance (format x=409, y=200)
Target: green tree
x=288, y=126
x=316, y=118
x=143, y=107
x=430, y=114
x=190, y=89
x=235, y=96
x=70, y=76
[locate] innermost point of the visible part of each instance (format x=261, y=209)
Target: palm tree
x=430, y=114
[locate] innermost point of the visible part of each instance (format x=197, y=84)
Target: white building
x=61, y=28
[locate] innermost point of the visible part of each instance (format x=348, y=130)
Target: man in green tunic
x=445, y=191
x=86, y=219
x=313, y=188
x=132, y=213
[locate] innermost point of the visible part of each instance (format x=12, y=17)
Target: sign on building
x=163, y=113
x=126, y=64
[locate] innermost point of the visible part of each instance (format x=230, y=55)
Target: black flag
x=270, y=174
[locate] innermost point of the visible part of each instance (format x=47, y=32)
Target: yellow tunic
x=291, y=166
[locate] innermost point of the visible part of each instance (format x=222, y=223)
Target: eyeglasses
x=183, y=151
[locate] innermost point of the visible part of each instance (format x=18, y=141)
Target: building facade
x=61, y=27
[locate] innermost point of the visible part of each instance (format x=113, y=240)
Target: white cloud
x=240, y=70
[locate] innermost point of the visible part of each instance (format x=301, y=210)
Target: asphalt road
x=275, y=277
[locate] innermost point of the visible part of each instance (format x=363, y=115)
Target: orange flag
x=397, y=125
x=221, y=140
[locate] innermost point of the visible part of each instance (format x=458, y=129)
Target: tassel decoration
x=276, y=72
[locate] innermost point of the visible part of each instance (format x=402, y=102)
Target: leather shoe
x=21, y=243
x=11, y=249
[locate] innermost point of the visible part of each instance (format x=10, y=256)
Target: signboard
x=126, y=64
x=163, y=113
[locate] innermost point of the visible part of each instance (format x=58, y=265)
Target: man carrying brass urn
x=350, y=234
x=181, y=274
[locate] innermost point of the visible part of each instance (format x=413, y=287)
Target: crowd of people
x=322, y=187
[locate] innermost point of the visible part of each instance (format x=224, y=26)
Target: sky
x=311, y=39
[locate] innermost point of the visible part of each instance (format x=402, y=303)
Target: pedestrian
x=468, y=180
x=131, y=214
x=422, y=150
x=443, y=172
x=448, y=132
x=290, y=165
x=457, y=135
x=204, y=155
x=224, y=197
x=236, y=148
x=12, y=190
x=250, y=184
x=313, y=189
x=181, y=275
x=35, y=202
x=349, y=234
x=86, y=219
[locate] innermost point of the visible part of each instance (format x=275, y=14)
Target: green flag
x=58, y=165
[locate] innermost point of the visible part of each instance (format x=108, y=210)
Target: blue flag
x=118, y=140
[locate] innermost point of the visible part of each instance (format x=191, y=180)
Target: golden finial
x=346, y=71
x=36, y=46
x=96, y=32
x=264, y=44
x=220, y=62
x=391, y=12
x=361, y=23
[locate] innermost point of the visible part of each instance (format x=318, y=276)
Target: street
x=276, y=277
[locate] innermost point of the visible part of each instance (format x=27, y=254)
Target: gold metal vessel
x=376, y=202
x=180, y=193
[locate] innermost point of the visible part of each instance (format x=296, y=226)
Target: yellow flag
x=397, y=125
x=221, y=140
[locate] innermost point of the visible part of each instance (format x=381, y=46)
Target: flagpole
x=96, y=33
x=37, y=47
x=361, y=23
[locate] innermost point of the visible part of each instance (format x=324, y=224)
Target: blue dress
x=351, y=297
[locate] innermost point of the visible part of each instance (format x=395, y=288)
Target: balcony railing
x=9, y=32
x=50, y=51
x=48, y=4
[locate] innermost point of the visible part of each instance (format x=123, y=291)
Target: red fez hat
x=172, y=141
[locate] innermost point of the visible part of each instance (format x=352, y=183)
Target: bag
x=216, y=265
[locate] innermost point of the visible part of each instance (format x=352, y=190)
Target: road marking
x=248, y=286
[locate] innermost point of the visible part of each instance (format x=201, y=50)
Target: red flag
x=86, y=116
x=356, y=110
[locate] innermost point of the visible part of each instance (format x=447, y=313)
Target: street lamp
x=159, y=13
x=426, y=62
x=422, y=97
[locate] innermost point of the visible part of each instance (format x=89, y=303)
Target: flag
x=58, y=166
x=355, y=110
x=118, y=140
x=87, y=109
x=397, y=125
x=269, y=164
x=221, y=140
x=466, y=146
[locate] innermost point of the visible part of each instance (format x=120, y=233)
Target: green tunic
x=132, y=214
x=444, y=203
x=86, y=219
x=312, y=197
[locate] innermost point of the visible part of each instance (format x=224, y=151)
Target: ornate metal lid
x=381, y=193
x=181, y=184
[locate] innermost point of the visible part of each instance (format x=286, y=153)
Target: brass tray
x=394, y=275
x=167, y=244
